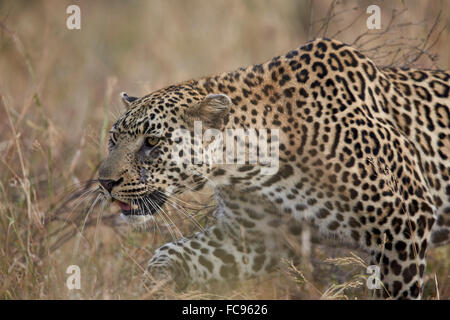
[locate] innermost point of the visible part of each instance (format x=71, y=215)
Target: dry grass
x=59, y=95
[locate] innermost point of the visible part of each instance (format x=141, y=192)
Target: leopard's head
x=143, y=169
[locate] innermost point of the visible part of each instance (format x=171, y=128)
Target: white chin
x=138, y=221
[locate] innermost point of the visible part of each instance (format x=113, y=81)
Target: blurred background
x=60, y=95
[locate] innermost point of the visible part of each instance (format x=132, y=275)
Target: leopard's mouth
x=149, y=204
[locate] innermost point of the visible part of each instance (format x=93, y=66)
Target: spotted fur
x=364, y=160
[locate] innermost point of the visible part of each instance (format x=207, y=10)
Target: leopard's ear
x=126, y=99
x=211, y=111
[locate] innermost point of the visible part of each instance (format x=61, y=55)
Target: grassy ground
x=59, y=96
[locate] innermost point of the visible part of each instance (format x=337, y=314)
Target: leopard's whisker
x=79, y=201
x=91, y=208
x=173, y=196
x=83, y=197
x=73, y=191
x=169, y=219
x=165, y=221
x=180, y=209
x=103, y=202
x=149, y=204
x=147, y=207
x=177, y=207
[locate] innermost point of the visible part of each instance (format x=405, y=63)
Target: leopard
x=363, y=160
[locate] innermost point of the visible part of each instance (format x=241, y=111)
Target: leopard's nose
x=110, y=184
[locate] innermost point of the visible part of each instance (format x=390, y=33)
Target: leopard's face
x=144, y=168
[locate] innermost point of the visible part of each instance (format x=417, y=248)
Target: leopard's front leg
x=212, y=255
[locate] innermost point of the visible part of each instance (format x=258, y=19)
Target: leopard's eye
x=152, y=141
